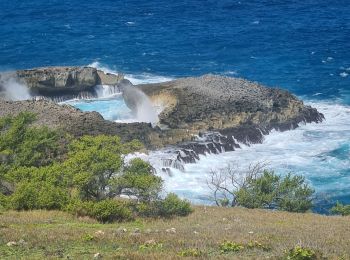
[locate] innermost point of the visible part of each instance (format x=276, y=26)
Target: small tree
x=258, y=188
x=94, y=163
x=341, y=209
x=226, y=181
x=138, y=180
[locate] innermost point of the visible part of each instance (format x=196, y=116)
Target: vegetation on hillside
x=260, y=188
x=207, y=233
x=42, y=169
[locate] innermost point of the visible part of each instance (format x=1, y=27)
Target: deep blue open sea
x=303, y=46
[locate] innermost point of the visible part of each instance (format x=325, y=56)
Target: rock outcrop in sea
x=208, y=114
x=62, y=82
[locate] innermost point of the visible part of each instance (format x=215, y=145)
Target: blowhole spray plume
x=138, y=102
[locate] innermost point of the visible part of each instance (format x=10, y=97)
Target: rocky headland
x=208, y=114
x=62, y=82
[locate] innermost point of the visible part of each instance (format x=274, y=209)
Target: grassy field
x=262, y=234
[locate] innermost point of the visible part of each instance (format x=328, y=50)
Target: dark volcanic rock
x=236, y=110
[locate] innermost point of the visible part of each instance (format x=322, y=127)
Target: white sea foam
x=306, y=150
x=143, y=78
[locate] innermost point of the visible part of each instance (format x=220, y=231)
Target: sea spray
x=138, y=102
x=12, y=90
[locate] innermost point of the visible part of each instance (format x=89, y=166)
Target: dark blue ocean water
x=303, y=46
x=300, y=45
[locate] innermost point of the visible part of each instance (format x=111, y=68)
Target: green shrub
x=146, y=209
x=87, y=238
x=190, y=252
x=25, y=197
x=4, y=202
x=111, y=210
x=108, y=210
x=340, y=209
x=227, y=247
x=172, y=205
x=289, y=193
x=80, y=208
x=139, y=180
x=38, y=195
x=301, y=253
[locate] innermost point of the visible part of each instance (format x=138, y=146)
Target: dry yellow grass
x=52, y=235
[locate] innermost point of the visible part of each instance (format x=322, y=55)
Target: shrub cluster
x=39, y=169
x=289, y=193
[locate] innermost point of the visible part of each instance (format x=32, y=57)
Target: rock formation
x=62, y=82
x=208, y=114
x=211, y=114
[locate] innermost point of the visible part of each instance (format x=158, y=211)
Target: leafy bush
x=108, y=210
x=227, y=247
x=340, y=209
x=138, y=180
x=4, y=202
x=96, y=163
x=172, y=205
x=301, y=253
x=294, y=195
x=38, y=195
x=111, y=210
x=80, y=208
x=269, y=190
x=24, y=145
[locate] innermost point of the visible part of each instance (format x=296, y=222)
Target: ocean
x=302, y=46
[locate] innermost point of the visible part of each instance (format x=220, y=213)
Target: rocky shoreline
x=208, y=114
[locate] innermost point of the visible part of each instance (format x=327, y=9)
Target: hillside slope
x=52, y=235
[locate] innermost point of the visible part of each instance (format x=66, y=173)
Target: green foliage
x=294, y=195
x=190, y=252
x=172, y=205
x=4, y=202
x=138, y=180
x=23, y=145
x=301, y=253
x=224, y=202
x=259, y=192
x=94, y=163
x=227, y=247
x=269, y=190
x=110, y=210
x=340, y=209
x=38, y=195
x=87, y=238
x=107, y=210
x=80, y=208
x=40, y=170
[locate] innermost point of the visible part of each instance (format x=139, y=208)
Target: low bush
x=172, y=205
x=111, y=210
x=37, y=195
x=340, y=209
x=227, y=247
x=301, y=253
x=108, y=210
x=4, y=202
